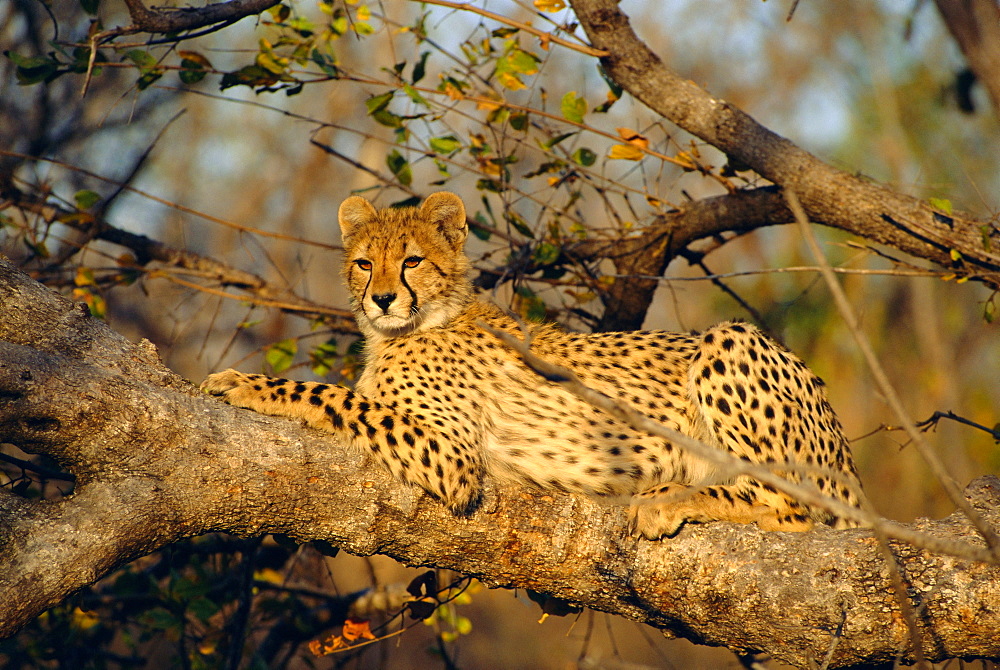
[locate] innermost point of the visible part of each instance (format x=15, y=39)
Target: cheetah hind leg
x=662, y=510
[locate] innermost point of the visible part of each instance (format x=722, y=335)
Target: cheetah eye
x=412, y=262
x=364, y=265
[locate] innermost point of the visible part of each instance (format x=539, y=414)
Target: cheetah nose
x=383, y=300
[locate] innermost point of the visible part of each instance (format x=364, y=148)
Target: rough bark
x=172, y=20
x=829, y=195
x=156, y=461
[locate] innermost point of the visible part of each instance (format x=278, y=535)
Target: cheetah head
x=405, y=267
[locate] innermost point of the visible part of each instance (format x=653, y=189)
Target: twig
x=730, y=463
x=540, y=34
x=931, y=422
x=172, y=205
x=925, y=450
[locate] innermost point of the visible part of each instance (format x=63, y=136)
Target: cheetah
x=443, y=404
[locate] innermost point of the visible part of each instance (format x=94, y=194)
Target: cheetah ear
x=447, y=212
x=354, y=213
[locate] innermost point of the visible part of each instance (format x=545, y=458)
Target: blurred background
x=235, y=149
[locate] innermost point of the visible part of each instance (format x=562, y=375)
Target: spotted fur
x=442, y=403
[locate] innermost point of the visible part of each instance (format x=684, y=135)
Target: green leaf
x=141, y=58
x=504, y=32
x=614, y=91
x=149, y=71
x=463, y=626
x=406, y=202
x=445, y=145
x=557, y=139
x=482, y=230
x=280, y=12
x=34, y=69
x=192, y=73
x=158, y=618
x=399, y=167
x=984, y=234
x=379, y=102
x=546, y=253
x=491, y=185
x=518, y=121
x=530, y=305
x=420, y=68
x=323, y=357
x=281, y=354
x=203, y=608
x=519, y=224
x=303, y=26
x=573, y=108
x=941, y=203
x=522, y=62
x=414, y=95
x=86, y=199
x=584, y=156
x=251, y=75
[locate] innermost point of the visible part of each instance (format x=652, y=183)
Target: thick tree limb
x=162, y=21
x=828, y=195
x=156, y=461
x=645, y=256
x=975, y=25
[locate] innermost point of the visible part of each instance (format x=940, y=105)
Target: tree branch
x=975, y=25
x=828, y=195
x=161, y=21
x=156, y=461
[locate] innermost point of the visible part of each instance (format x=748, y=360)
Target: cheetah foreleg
x=414, y=454
x=662, y=510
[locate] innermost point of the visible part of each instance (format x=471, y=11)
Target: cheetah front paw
x=233, y=386
x=654, y=520
x=221, y=382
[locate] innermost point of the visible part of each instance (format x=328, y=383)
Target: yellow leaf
x=269, y=575
x=549, y=5
x=355, y=628
x=84, y=277
x=84, y=620
x=510, y=81
x=686, y=160
x=453, y=91
x=633, y=137
x=487, y=101
x=626, y=152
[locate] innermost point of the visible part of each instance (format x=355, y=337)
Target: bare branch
x=885, y=386
x=540, y=34
x=828, y=195
x=727, y=463
x=975, y=25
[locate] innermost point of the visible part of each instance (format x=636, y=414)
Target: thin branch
x=545, y=37
x=161, y=21
x=731, y=464
x=885, y=386
x=173, y=205
x=932, y=422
